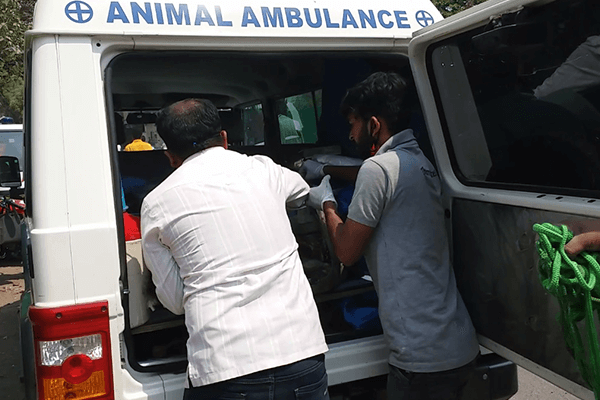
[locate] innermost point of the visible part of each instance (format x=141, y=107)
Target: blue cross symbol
x=424, y=18
x=79, y=11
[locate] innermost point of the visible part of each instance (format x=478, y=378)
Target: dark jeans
x=302, y=380
x=444, y=385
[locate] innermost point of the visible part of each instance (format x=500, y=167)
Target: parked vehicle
x=11, y=144
x=12, y=211
x=277, y=71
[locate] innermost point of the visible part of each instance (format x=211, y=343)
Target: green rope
x=573, y=283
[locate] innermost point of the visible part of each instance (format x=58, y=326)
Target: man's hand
x=312, y=170
x=320, y=194
x=589, y=241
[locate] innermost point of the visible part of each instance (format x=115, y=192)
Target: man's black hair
x=381, y=95
x=189, y=126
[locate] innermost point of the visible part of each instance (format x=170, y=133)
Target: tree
x=15, y=19
x=450, y=7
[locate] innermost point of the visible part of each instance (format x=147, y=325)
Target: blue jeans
x=444, y=385
x=302, y=380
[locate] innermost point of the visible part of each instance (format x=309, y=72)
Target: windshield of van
x=521, y=97
x=297, y=118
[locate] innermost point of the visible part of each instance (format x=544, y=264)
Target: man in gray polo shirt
x=396, y=220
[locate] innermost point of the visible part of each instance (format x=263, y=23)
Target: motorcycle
x=12, y=213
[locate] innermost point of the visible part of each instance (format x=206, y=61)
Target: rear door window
x=520, y=98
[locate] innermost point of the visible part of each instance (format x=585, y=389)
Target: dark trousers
x=302, y=380
x=444, y=385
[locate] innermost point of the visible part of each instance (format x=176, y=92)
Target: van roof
x=252, y=18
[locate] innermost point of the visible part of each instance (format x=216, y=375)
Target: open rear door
x=511, y=94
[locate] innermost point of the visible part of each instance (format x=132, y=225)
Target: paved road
x=11, y=285
x=533, y=387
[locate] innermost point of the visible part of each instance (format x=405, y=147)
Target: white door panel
x=511, y=96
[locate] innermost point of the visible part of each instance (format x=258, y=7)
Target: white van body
x=91, y=63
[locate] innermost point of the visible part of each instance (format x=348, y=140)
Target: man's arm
x=296, y=189
x=312, y=170
x=589, y=241
x=349, y=238
x=160, y=262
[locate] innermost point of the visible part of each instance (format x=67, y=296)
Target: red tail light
x=72, y=347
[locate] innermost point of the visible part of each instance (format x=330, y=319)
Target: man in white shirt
x=220, y=247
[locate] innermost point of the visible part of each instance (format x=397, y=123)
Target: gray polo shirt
x=424, y=319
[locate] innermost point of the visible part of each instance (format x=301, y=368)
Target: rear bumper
x=356, y=359
x=358, y=369
x=495, y=379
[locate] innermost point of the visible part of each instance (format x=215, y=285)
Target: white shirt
x=220, y=247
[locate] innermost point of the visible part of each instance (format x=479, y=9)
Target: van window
x=297, y=117
x=520, y=98
x=134, y=125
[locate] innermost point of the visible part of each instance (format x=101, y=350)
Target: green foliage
x=15, y=19
x=450, y=7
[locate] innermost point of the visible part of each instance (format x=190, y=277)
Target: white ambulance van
x=502, y=107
